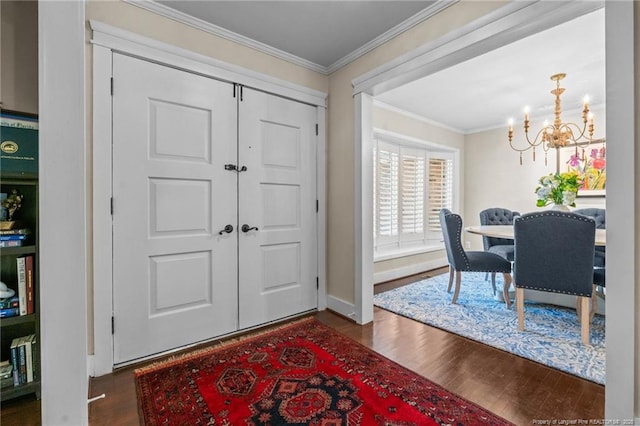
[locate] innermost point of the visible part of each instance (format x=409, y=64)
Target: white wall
x=341, y=178
x=19, y=62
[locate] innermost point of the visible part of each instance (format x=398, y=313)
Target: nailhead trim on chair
x=552, y=291
x=559, y=214
x=460, y=248
x=464, y=253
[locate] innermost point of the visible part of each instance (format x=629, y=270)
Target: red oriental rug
x=301, y=373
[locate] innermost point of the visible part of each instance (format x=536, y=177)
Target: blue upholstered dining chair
x=599, y=284
x=476, y=261
x=554, y=252
x=599, y=215
x=500, y=246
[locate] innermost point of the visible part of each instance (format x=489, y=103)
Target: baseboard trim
x=405, y=271
x=90, y=366
x=344, y=308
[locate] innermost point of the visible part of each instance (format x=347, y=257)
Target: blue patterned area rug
x=551, y=336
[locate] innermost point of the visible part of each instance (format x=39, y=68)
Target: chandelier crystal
x=558, y=134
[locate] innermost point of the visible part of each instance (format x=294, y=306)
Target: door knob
x=228, y=229
x=247, y=228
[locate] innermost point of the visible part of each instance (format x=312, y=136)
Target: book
x=34, y=357
x=9, y=302
x=22, y=284
x=22, y=362
x=6, y=369
x=29, y=357
x=30, y=289
x=21, y=231
x=15, y=362
x=9, y=312
x=11, y=243
x=13, y=237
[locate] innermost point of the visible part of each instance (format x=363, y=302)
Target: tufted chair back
x=451, y=225
x=554, y=252
x=599, y=215
x=496, y=216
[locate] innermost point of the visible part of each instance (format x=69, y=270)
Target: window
x=412, y=182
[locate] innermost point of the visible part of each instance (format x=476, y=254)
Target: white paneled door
x=193, y=156
x=277, y=208
x=174, y=274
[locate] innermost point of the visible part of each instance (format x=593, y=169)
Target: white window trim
x=430, y=244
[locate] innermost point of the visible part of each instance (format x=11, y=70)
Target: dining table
x=506, y=231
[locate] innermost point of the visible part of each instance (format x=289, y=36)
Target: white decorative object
x=5, y=291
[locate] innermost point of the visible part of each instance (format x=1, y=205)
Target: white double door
x=178, y=276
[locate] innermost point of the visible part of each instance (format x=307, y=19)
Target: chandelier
x=558, y=134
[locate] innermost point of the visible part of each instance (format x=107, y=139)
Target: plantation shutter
x=412, y=182
x=440, y=189
x=387, y=168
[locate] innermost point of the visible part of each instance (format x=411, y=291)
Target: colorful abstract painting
x=590, y=162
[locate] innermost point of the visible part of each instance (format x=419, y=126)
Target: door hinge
x=317, y=129
x=317, y=283
x=113, y=325
x=317, y=206
x=111, y=86
x=111, y=205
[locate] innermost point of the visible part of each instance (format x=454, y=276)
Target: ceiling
x=478, y=94
x=321, y=32
x=486, y=91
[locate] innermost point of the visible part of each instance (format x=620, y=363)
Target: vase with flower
x=559, y=189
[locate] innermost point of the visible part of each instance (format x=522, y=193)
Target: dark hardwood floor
x=512, y=387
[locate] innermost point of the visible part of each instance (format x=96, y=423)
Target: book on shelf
x=22, y=284
x=13, y=237
x=11, y=243
x=14, y=361
x=29, y=357
x=34, y=357
x=6, y=369
x=22, y=354
x=20, y=231
x=9, y=312
x=24, y=359
x=30, y=289
x=9, y=302
x=6, y=373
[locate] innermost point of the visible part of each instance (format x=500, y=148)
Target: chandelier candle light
x=558, y=134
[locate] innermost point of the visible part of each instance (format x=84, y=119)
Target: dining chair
x=599, y=285
x=500, y=246
x=469, y=261
x=599, y=215
x=554, y=252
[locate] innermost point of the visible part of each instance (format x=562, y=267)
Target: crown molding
x=383, y=105
x=124, y=41
x=167, y=12
x=199, y=24
x=513, y=21
x=406, y=25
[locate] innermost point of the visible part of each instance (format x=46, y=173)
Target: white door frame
x=512, y=22
x=63, y=196
x=106, y=39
